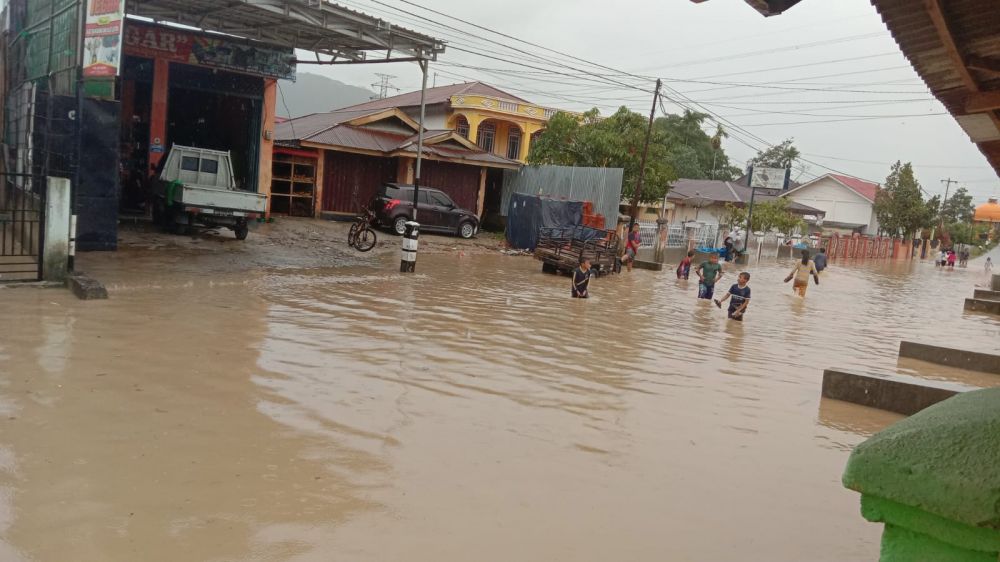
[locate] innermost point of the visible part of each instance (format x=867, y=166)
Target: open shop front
x=191, y=89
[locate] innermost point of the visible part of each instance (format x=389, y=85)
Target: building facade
x=849, y=203
x=498, y=122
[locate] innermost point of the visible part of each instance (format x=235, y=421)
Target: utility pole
x=947, y=186
x=384, y=85
x=408, y=257
x=634, y=209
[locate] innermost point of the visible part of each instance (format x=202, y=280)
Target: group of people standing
x=947, y=258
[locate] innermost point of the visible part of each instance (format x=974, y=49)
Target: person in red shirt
x=684, y=269
x=632, y=246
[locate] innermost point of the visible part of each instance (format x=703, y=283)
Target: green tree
x=782, y=155
x=900, y=206
x=958, y=207
x=691, y=151
x=967, y=233
x=775, y=215
x=733, y=216
x=614, y=142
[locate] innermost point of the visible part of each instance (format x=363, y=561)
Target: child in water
x=740, y=295
x=684, y=269
x=801, y=274
x=581, y=279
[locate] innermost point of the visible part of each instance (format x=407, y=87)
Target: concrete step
x=894, y=393
x=982, y=305
x=960, y=358
x=986, y=295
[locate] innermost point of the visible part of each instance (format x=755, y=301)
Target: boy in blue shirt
x=740, y=295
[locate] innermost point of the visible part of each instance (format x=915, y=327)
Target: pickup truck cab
x=195, y=186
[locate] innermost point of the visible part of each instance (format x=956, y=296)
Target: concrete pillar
x=481, y=199
x=158, y=114
x=55, y=256
x=404, y=169
x=932, y=480
x=266, y=156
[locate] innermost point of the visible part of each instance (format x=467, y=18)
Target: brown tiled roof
x=332, y=129
x=722, y=192
x=441, y=94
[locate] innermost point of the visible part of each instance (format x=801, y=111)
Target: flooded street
x=470, y=412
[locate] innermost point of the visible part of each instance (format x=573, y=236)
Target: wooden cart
x=559, y=249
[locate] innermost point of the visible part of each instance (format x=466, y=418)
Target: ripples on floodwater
x=470, y=412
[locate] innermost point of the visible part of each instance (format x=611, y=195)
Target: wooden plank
x=984, y=64
x=981, y=102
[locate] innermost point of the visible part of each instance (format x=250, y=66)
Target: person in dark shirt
x=581, y=279
x=738, y=296
x=820, y=259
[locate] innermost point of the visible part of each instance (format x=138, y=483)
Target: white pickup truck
x=196, y=186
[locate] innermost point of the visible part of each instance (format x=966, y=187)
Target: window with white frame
x=486, y=137
x=462, y=126
x=513, y=143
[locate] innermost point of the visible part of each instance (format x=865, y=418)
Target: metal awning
x=312, y=25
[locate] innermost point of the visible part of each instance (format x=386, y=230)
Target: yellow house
x=497, y=121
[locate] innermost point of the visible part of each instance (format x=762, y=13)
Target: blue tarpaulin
x=527, y=214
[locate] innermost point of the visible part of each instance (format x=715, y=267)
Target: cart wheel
x=178, y=228
x=549, y=268
x=241, y=230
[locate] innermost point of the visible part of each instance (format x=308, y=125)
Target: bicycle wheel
x=365, y=240
x=353, y=234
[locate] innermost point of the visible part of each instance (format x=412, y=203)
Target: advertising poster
x=102, y=38
x=200, y=49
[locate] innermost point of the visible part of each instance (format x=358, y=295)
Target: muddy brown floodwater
x=470, y=412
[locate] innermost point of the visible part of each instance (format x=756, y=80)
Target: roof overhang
x=955, y=48
x=312, y=25
x=766, y=7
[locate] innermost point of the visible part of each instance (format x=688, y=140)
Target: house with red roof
x=848, y=202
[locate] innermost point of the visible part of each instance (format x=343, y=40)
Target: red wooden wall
x=351, y=180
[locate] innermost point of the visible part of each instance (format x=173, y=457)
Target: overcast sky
x=852, y=102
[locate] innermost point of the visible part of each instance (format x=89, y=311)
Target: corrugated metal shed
x=954, y=46
x=602, y=186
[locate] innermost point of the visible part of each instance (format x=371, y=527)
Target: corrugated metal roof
x=722, y=192
x=312, y=25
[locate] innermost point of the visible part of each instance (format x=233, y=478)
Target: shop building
x=193, y=72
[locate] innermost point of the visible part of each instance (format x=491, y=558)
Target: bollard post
x=408, y=257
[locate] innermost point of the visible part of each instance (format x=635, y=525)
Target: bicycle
x=362, y=237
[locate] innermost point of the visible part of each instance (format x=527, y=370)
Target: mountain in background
x=312, y=93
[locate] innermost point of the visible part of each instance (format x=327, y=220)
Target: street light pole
x=408, y=257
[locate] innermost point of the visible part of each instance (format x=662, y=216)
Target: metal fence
x=601, y=186
x=677, y=237
x=22, y=204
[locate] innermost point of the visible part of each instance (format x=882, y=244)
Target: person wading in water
x=801, y=274
x=581, y=279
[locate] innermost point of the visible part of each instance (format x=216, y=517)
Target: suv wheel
x=466, y=230
x=399, y=225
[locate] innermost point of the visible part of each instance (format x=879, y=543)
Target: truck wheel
x=241, y=230
x=549, y=268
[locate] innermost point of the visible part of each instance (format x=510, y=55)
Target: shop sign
x=102, y=38
x=206, y=50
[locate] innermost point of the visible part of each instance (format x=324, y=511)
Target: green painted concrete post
x=934, y=480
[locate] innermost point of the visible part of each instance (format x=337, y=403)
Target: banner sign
x=177, y=45
x=102, y=38
x=769, y=178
